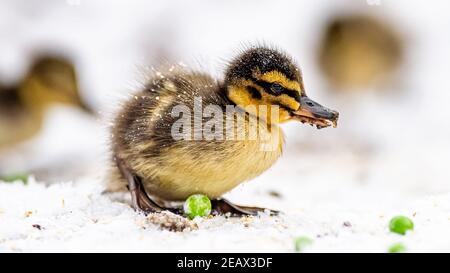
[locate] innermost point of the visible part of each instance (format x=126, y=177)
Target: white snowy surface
x=320, y=188
x=77, y=217
x=389, y=156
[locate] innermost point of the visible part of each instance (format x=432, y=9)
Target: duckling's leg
x=222, y=206
x=139, y=198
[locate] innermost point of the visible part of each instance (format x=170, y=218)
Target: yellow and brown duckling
x=50, y=80
x=150, y=159
x=359, y=51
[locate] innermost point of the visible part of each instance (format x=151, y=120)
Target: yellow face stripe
x=243, y=98
x=275, y=76
x=289, y=102
x=240, y=96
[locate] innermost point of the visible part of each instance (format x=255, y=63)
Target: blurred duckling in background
x=51, y=80
x=148, y=158
x=358, y=51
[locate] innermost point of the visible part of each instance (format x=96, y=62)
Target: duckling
x=358, y=51
x=149, y=159
x=50, y=80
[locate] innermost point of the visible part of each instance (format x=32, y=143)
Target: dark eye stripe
x=254, y=92
x=267, y=87
x=277, y=88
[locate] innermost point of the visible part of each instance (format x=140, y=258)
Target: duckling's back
x=171, y=168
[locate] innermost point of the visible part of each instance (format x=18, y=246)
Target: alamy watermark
x=214, y=123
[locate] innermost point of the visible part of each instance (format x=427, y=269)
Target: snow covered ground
x=389, y=155
x=340, y=216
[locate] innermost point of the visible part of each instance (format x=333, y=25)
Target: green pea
x=21, y=177
x=197, y=205
x=397, y=248
x=301, y=243
x=401, y=224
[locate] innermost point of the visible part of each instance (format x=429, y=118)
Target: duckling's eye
x=277, y=88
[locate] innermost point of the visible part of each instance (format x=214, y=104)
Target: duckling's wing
x=186, y=84
x=145, y=122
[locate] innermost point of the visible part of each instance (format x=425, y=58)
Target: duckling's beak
x=315, y=114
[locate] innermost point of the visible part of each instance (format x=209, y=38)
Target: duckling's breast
x=212, y=168
x=14, y=129
x=17, y=122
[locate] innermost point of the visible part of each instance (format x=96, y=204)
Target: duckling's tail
x=114, y=181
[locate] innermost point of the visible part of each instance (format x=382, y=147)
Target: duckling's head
x=52, y=80
x=265, y=76
x=358, y=52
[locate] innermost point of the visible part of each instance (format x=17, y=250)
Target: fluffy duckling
x=358, y=51
x=50, y=80
x=151, y=157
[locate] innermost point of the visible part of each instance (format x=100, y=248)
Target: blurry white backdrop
x=387, y=152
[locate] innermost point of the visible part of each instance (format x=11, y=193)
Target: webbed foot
x=223, y=206
x=139, y=198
